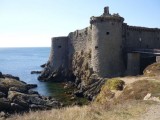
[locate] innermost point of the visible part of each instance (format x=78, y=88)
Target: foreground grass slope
x=119, y=99
x=127, y=110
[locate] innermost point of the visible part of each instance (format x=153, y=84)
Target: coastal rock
x=1, y=75
x=10, y=82
x=37, y=107
x=3, y=88
x=43, y=65
x=36, y=72
x=17, y=96
x=21, y=103
x=4, y=104
x=18, y=89
x=16, y=108
x=31, y=86
x=11, y=76
x=32, y=92
x=80, y=75
x=3, y=115
x=2, y=95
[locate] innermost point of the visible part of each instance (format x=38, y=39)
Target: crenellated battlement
x=106, y=19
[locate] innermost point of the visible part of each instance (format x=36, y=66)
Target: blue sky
x=28, y=23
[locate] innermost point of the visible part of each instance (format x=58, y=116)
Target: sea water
x=21, y=61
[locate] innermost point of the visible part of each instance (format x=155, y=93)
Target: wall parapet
x=106, y=18
x=139, y=28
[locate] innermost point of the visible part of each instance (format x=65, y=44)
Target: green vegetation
x=106, y=93
x=64, y=95
x=115, y=84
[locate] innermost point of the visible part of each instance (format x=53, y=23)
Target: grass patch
x=152, y=70
x=106, y=93
x=115, y=84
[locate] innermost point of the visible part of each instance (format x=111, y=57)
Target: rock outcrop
x=87, y=82
x=18, y=96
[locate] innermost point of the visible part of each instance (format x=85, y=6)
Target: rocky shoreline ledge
x=17, y=96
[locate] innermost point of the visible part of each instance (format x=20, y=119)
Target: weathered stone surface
x=11, y=76
x=19, y=89
x=21, y=103
x=32, y=92
x=81, y=75
x=30, y=86
x=2, y=94
x=16, y=107
x=4, y=104
x=10, y=82
x=17, y=96
x=3, y=88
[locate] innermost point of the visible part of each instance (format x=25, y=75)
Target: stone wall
x=80, y=40
x=59, y=53
x=140, y=37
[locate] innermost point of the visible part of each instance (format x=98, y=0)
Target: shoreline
x=16, y=96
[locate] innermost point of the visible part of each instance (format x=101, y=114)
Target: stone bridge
x=138, y=59
x=155, y=52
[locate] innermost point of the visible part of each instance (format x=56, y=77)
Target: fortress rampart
x=107, y=38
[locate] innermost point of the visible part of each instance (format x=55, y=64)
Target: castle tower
x=107, y=44
x=59, y=53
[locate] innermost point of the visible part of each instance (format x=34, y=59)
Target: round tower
x=59, y=53
x=107, y=44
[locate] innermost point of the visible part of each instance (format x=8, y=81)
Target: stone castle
x=113, y=47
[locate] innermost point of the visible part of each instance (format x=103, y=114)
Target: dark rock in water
x=32, y=92
x=36, y=72
x=31, y=86
x=1, y=75
x=43, y=66
x=11, y=76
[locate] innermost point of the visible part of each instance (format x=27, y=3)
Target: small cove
x=21, y=61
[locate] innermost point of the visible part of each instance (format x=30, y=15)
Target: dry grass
x=126, y=111
x=152, y=70
x=139, y=89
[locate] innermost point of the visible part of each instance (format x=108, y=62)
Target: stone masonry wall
x=59, y=53
x=140, y=37
x=78, y=41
